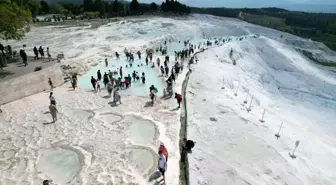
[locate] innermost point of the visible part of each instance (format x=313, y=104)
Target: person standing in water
x=121, y=72
x=117, y=55
x=134, y=76
x=53, y=111
x=167, y=70
x=106, y=62
x=172, y=76
x=99, y=76
x=139, y=55
x=106, y=79
x=110, y=75
x=147, y=61
x=143, y=78
x=158, y=62
x=93, y=82
x=36, y=53
x=162, y=70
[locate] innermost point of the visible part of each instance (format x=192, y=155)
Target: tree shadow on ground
x=149, y=104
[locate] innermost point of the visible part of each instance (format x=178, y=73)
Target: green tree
x=134, y=6
x=44, y=7
x=116, y=6
x=34, y=7
x=88, y=4
x=163, y=7
x=57, y=9
x=153, y=7
x=14, y=20
x=99, y=6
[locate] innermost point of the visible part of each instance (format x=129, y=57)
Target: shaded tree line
x=105, y=8
x=317, y=26
x=174, y=6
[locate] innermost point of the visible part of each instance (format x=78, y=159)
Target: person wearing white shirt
x=52, y=99
x=162, y=163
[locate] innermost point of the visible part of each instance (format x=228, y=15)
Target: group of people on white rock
x=114, y=84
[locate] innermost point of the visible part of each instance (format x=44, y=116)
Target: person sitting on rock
x=188, y=144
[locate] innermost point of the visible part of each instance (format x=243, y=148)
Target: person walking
x=53, y=111
x=36, y=53
x=178, y=97
x=167, y=70
x=164, y=150
x=109, y=88
x=41, y=51
x=162, y=165
x=52, y=99
x=116, y=96
x=51, y=84
x=49, y=55
x=23, y=55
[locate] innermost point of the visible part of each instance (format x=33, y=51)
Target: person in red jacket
x=179, y=99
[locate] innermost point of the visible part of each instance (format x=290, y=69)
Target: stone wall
x=29, y=84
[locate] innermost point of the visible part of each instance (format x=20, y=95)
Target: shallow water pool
x=153, y=76
x=60, y=164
